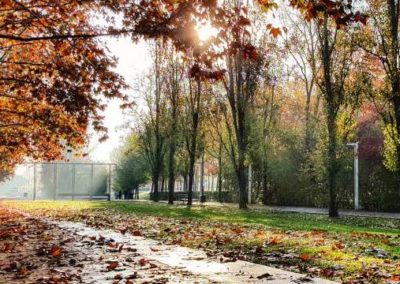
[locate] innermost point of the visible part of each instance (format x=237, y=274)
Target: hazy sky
x=133, y=61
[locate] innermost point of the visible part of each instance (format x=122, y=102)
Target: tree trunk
x=192, y=158
x=162, y=183
x=393, y=9
x=242, y=149
x=193, y=144
x=191, y=179
x=202, y=177
x=171, y=177
x=171, y=168
x=396, y=105
x=331, y=110
x=309, y=145
x=332, y=162
x=155, y=186
x=264, y=187
x=264, y=172
x=220, y=172
x=241, y=174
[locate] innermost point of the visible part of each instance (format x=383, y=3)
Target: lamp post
x=356, y=181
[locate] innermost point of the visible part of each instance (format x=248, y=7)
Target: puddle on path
x=160, y=263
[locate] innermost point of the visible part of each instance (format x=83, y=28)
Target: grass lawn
x=350, y=249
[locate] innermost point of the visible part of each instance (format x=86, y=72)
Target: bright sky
x=133, y=61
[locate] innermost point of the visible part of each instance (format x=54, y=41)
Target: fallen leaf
x=143, y=262
x=123, y=230
x=8, y=247
x=275, y=240
x=112, y=265
x=339, y=245
x=55, y=251
x=265, y=276
x=395, y=278
x=137, y=233
x=23, y=271
x=305, y=257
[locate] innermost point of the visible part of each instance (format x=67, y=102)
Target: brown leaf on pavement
x=56, y=251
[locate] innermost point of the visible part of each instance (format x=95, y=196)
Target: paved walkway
x=199, y=267
x=308, y=210
x=325, y=211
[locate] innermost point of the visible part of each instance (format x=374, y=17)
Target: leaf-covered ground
x=351, y=250
x=33, y=250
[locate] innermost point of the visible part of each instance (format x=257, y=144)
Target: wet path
x=175, y=264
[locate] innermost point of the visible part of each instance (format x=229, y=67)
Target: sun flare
x=205, y=31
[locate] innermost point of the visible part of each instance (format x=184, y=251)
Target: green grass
x=281, y=220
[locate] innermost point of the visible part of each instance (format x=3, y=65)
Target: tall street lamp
x=356, y=181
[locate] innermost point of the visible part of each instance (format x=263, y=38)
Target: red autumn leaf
x=339, y=245
x=327, y=272
x=143, y=262
x=112, y=265
x=275, y=32
x=8, y=247
x=305, y=257
x=55, y=251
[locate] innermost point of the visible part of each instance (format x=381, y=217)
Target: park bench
x=182, y=197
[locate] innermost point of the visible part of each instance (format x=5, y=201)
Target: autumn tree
x=173, y=87
x=54, y=71
x=50, y=89
x=380, y=41
x=336, y=51
x=153, y=128
x=243, y=72
x=301, y=43
x=217, y=133
x=132, y=167
x=194, y=107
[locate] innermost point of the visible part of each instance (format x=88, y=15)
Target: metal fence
x=60, y=180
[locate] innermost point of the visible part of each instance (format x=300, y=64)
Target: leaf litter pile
x=34, y=251
x=358, y=257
